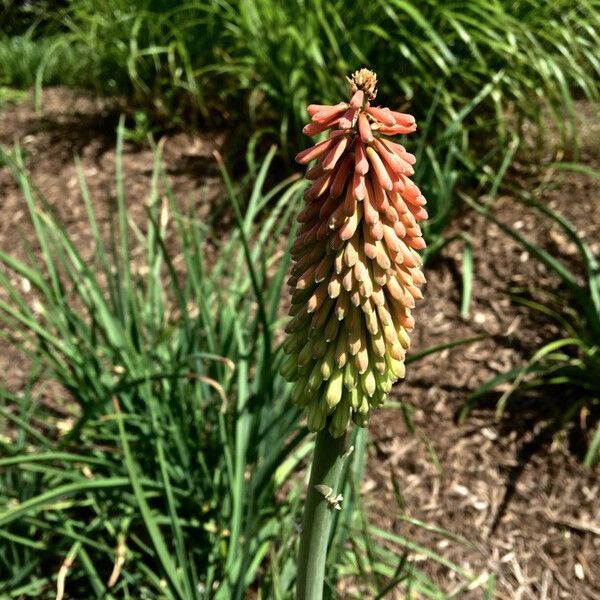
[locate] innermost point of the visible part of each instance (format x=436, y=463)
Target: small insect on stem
x=330, y=496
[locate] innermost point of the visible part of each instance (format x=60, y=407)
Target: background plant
x=194, y=60
x=567, y=367
x=170, y=469
x=174, y=404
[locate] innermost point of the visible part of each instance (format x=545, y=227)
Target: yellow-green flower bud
x=316, y=417
x=340, y=418
x=368, y=383
x=289, y=368
x=350, y=376
x=334, y=390
x=328, y=364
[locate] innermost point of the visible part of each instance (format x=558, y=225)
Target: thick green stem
x=328, y=460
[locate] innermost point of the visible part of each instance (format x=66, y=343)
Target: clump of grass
x=166, y=466
x=178, y=423
x=192, y=62
x=570, y=364
x=25, y=57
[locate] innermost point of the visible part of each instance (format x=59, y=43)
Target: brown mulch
x=509, y=486
x=517, y=492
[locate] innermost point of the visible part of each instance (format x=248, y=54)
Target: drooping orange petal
x=347, y=119
x=313, y=109
x=360, y=158
x=314, y=172
x=397, y=129
x=395, y=163
x=358, y=186
x=349, y=202
x=341, y=176
x=318, y=188
x=364, y=129
x=371, y=214
x=314, y=128
x=383, y=115
x=327, y=208
x=313, y=152
x=335, y=153
x=380, y=171
x=329, y=112
x=403, y=119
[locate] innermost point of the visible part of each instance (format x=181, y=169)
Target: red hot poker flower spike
x=356, y=273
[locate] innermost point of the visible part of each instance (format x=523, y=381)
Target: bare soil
x=511, y=487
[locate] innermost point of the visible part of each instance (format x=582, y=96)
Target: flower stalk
x=321, y=501
x=354, y=282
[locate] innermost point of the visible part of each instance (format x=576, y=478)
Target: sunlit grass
x=172, y=469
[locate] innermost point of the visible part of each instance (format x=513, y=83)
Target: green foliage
x=571, y=362
x=140, y=130
x=171, y=469
x=22, y=58
x=18, y=16
x=177, y=415
x=213, y=60
x=9, y=96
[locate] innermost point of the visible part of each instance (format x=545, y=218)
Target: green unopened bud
x=368, y=383
x=328, y=365
x=378, y=399
x=293, y=343
x=305, y=370
x=319, y=347
x=340, y=418
x=361, y=360
x=353, y=326
x=331, y=328
x=384, y=382
x=305, y=355
x=341, y=352
x=301, y=296
x=300, y=321
x=355, y=398
x=396, y=367
x=362, y=415
x=378, y=362
x=315, y=378
x=316, y=417
x=350, y=376
x=334, y=390
x=300, y=396
x=403, y=337
x=289, y=368
x=322, y=314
